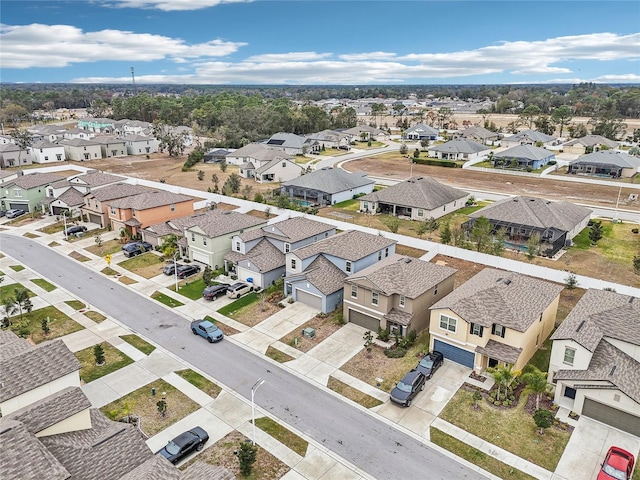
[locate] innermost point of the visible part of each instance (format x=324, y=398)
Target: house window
x=172, y=207
x=204, y=241
x=537, y=339
x=354, y=291
x=348, y=267
x=59, y=157
x=133, y=212
x=420, y=212
x=569, y=355
x=380, y=255
x=435, y=290
x=193, y=237
x=374, y=298
x=402, y=300
x=284, y=164
x=46, y=158
x=293, y=264
x=287, y=247
x=237, y=246
x=365, y=205
x=113, y=211
x=498, y=330
x=17, y=192
x=476, y=329
x=448, y=323
x=386, y=252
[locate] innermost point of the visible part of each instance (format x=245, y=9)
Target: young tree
x=207, y=275
x=404, y=149
x=267, y=212
x=421, y=229
x=497, y=243
x=223, y=165
x=544, y=419
x=595, y=233
x=536, y=382
x=246, y=191
x=533, y=246
x=98, y=354
x=636, y=264
x=416, y=153
x=481, y=233
x=169, y=246
x=45, y=326
x=392, y=223
x=22, y=301
x=10, y=307
x=445, y=234
x=200, y=175
x=432, y=225
x=258, y=198
x=162, y=407
x=477, y=396
x=247, y=457
x=368, y=340
x=22, y=139
x=424, y=143
x=235, y=181
x=571, y=282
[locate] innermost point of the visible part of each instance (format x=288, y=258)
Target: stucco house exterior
x=528, y=137
x=12, y=156
x=331, y=139
x=595, y=360
x=421, y=132
x=96, y=209
x=315, y=274
x=278, y=170
x=395, y=294
x=26, y=192
x=418, y=198
x=327, y=186
x=458, y=149
x=46, y=152
x=495, y=318
x=293, y=144
x=259, y=254
x=81, y=150
x=256, y=153
x=605, y=163
x=140, y=144
x=589, y=144
x=480, y=135
x=527, y=157
x=111, y=146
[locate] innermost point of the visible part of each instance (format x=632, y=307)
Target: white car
x=238, y=289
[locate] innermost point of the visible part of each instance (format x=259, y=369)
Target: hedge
x=437, y=163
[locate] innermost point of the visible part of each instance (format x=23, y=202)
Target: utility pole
x=133, y=78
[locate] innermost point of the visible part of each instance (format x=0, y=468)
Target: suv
x=407, y=388
x=238, y=289
x=133, y=248
x=429, y=364
x=185, y=271
x=207, y=329
x=170, y=268
x=75, y=229
x=212, y=292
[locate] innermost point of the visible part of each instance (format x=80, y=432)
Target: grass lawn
x=127, y=280
x=54, y=244
x=147, y=265
x=511, y=429
x=59, y=324
x=109, y=271
x=201, y=382
x=353, y=394
x=353, y=204
x=542, y=356
x=284, y=436
x=95, y=316
x=10, y=290
x=143, y=404
x=31, y=235
x=109, y=247
x=277, y=355
x=235, y=306
x=266, y=467
x=477, y=457
x=409, y=251
x=16, y=268
x=53, y=228
x=226, y=329
x=76, y=304
x=78, y=256
x=43, y=284
x=142, y=345
x=166, y=299
x=190, y=289
x=114, y=360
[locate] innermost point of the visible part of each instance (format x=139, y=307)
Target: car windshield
x=211, y=329
x=403, y=387
x=172, y=448
x=426, y=362
x=614, y=472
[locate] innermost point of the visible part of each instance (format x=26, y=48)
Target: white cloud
x=170, y=5
x=288, y=57
x=355, y=57
x=627, y=78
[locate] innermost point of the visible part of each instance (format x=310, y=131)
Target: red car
x=618, y=465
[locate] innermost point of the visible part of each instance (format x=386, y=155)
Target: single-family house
x=140, y=144
x=605, y=163
x=70, y=200
x=111, y=146
x=556, y=223
x=480, y=135
x=277, y=170
x=93, y=180
x=209, y=236
x=80, y=150
x=77, y=133
x=259, y=254
x=418, y=198
x=7, y=176
x=315, y=274
x=327, y=186
x=365, y=133
x=133, y=213
x=495, y=318
x=256, y=153
x=52, y=133
x=137, y=127
x=331, y=139
x=45, y=151
x=395, y=294
x=26, y=192
x=528, y=137
x=458, y=149
x=595, y=360
x=293, y=144
x=12, y=156
x=525, y=157
x=421, y=132
x=97, y=125
x=216, y=155
x=589, y=144
x=96, y=209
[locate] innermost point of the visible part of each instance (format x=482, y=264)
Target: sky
x=328, y=42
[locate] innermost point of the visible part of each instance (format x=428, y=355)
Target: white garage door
x=244, y=275
x=307, y=298
x=201, y=257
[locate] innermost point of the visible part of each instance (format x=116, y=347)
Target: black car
x=185, y=271
x=184, y=444
x=212, y=292
x=429, y=364
x=407, y=388
x=170, y=268
x=147, y=246
x=14, y=213
x=75, y=229
x=132, y=249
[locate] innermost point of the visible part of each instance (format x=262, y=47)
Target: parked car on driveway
x=207, y=329
x=238, y=289
x=132, y=249
x=429, y=364
x=184, y=444
x=407, y=388
x=75, y=229
x=170, y=268
x=15, y=213
x=185, y=271
x=617, y=465
x=211, y=292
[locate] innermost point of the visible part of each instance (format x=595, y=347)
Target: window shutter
x=493, y=329
x=503, y=332
x=481, y=330
x=471, y=329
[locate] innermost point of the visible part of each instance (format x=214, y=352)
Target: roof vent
x=407, y=260
x=613, y=370
x=515, y=200
x=580, y=326
x=499, y=280
x=631, y=299
x=507, y=281
x=532, y=199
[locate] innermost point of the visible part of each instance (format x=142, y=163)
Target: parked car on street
x=238, y=289
x=617, y=465
x=207, y=329
x=185, y=271
x=211, y=292
x=430, y=363
x=15, y=213
x=3, y=213
x=132, y=249
x=170, y=269
x=407, y=388
x=75, y=229
x=184, y=444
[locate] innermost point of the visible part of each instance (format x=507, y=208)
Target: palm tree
x=10, y=307
x=536, y=382
x=504, y=376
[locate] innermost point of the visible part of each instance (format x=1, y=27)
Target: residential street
x=376, y=447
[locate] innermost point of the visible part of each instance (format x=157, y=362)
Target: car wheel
x=209, y=340
x=200, y=446
x=194, y=331
x=422, y=387
x=409, y=403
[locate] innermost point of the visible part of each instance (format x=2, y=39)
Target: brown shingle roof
x=34, y=180
x=155, y=468
x=264, y=255
x=95, y=178
x=351, y=245
x=291, y=230
x=201, y=470
x=324, y=275
x=11, y=344
x=500, y=351
x=399, y=317
x=117, y=190
x=144, y=201
x=215, y=223
x=504, y=298
x=417, y=192
x=403, y=275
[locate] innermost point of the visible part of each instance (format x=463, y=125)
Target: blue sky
x=320, y=42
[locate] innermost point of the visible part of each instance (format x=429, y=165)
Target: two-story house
x=140, y=144
x=27, y=192
x=133, y=213
x=209, y=234
x=315, y=274
x=95, y=208
x=45, y=151
x=12, y=156
x=595, y=360
x=496, y=317
x=395, y=293
x=259, y=254
x=111, y=146
x=81, y=150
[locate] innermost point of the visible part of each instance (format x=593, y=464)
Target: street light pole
x=64, y=219
x=175, y=268
x=255, y=387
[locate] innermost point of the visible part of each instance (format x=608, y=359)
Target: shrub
x=411, y=338
x=383, y=334
x=397, y=352
x=634, y=230
x=552, y=162
x=436, y=162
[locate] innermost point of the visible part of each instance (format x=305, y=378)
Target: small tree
x=571, y=282
x=10, y=307
x=162, y=407
x=543, y=419
x=421, y=229
x=481, y=233
x=636, y=264
x=595, y=233
x=207, y=275
x=247, y=457
x=45, y=326
x=416, y=153
x=536, y=382
x=258, y=198
x=392, y=223
x=267, y=212
x=445, y=234
x=432, y=225
x=98, y=353
x=200, y=175
x=403, y=149
x=22, y=301
x=477, y=396
x=223, y=166
x=368, y=340
x=533, y=245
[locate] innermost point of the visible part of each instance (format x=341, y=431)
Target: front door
x=493, y=363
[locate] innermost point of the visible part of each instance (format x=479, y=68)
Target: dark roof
x=500, y=351
x=215, y=223
x=71, y=197
x=116, y=190
x=529, y=152
x=143, y=201
x=330, y=180
x=291, y=230
x=350, y=245
x=609, y=157
x=33, y=180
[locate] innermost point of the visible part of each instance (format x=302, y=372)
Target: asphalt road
x=376, y=447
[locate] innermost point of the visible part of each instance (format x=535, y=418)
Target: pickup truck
x=207, y=329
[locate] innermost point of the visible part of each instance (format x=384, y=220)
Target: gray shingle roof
x=500, y=351
x=201, y=470
x=328, y=136
x=479, y=132
x=399, y=317
x=459, y=145
x=108, y=140
x=155, y=468
x=34, y=180
x=44, y=144
x=504, y=298
x=530, y=152
x=11, y=345
x=71, y=197
x=95, y=178
x=265, y=256
x=592, y=141
x=215, y=223
x=291, y=230
x=29, y=369
x=417, y=192
x=78, y=142
x=324, y=275
x=609, y=157
x=117, y=190
x=260, y=152
x=284, y=140
x=350, y=245
x=421, y=128
x=276, y=161
x=403, y=275
x=535, y=212
x=599, y=314
x=330, y=180
x=154, y=199
x=533, y=135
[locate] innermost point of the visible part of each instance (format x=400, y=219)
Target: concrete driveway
x=588, y=446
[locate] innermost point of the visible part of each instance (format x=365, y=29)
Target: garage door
x=19, y=206
x=201, y=257
x=611, y=416
x=366, y=321
x=455, y=354
x=93, y=218
x=307, y=298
